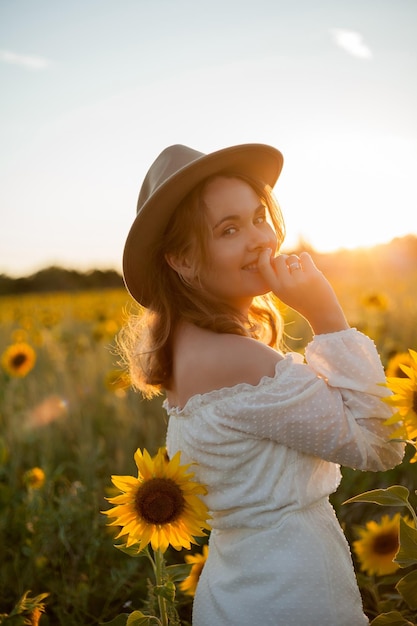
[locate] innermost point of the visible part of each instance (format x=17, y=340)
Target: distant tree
x=60, y=279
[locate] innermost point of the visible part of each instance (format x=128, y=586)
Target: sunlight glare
x=347, y=193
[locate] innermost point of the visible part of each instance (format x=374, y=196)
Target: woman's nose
x=259, y=238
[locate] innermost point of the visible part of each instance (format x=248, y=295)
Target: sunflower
x=375, y=301
x=34, y=478
x=35, y=616
x=404, y=398
x=393, y=368
x=161, y=506
x=28, y=610
x=378, y=544
x=18, y=359
x=189, y=585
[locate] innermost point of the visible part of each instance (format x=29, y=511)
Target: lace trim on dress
x=202, y=399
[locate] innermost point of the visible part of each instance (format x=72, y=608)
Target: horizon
x=90, y=269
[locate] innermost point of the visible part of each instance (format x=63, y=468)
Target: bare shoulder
x=242, y=359
x=204, y=361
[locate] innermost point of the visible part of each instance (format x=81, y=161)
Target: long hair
x=145, y=342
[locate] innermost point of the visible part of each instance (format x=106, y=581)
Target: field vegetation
x=68, y=421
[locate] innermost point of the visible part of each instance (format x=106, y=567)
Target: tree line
x=60, y=279
x=397, y=258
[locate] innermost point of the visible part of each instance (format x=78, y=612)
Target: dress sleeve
x=329, y=407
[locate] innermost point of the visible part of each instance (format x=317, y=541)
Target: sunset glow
x=87, y=105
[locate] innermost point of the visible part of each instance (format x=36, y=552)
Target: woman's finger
x=307, y=262
x=265, y=265
x=293, y=263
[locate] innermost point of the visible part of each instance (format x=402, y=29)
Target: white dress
x=269, y=456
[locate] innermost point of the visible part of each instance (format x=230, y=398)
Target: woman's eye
x=260, y=219
x=230, y=230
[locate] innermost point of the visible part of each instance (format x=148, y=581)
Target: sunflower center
x=386, y=543
x=18, y=360
x=159, y=501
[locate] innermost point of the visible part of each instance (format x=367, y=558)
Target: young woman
x=267, y=430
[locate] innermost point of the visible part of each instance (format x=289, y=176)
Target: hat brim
x=258, y=161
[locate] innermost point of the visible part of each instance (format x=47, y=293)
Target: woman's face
x=240, y=228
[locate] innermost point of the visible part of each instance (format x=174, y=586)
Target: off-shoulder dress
x=269, y=456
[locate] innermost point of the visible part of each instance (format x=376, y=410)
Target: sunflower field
x=69, y=422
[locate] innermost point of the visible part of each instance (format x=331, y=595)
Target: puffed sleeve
x=329, y=407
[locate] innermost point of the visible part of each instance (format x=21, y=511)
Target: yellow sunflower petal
x=409, y=371
x=124, y=483
x=189, y=585
x=174, y=463
x=413, y=354
x=123, y=498
x=161, y=463
x=120, y=510
x=144, y=464
x=158, y=542
x=146, y=535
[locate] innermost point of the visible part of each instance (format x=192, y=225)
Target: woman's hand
x=297, y=282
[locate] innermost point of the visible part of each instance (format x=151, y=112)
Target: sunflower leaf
x=120, y=620
x=397, y=495
x=407, y=553
x=407, y=587
x=178, y=572
x=393, y=618
x=137, y=618
x=133, y=550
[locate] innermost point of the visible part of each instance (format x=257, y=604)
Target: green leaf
x=397, y=495
x=120, y=620
x=393, y=618
x=407, y=587
x=131, y=550
x=178, y=572
x=137, y=618
x=407, y=553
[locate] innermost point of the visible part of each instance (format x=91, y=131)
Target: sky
x=93, y=90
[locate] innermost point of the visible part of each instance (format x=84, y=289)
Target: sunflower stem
x=159, y=567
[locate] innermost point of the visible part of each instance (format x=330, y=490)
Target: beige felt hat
x=172, y=176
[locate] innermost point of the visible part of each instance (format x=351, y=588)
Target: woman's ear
x=181, y=265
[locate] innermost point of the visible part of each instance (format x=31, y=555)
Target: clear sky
x=93, y=90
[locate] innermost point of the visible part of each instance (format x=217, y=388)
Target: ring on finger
x=294, y=266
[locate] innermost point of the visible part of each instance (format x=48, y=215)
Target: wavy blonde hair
x=145, y=342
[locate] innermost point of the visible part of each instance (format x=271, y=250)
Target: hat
x=172, y=176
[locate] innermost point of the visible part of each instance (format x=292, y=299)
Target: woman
x=266, y=430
